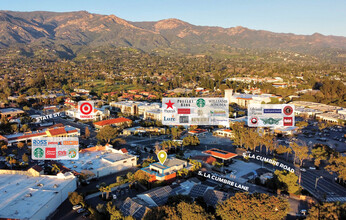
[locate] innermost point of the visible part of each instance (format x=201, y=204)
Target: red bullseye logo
x=86, y=108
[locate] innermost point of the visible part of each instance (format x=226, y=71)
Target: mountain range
x=71, y=31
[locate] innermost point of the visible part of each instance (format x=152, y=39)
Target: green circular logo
x=72, y=153
x=38, y=152
x=200, y=103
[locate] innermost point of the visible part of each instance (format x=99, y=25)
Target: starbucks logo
x=200, y=103
x=72, y=153
x=38, y=152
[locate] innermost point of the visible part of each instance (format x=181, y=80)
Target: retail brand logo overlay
x=55, y=148
x=195, y=111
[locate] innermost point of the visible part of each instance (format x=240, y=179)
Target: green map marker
x=162, y=155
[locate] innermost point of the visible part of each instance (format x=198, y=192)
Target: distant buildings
x=30, y=195
x=142, y=130
x=11, y=112
x=167, y=170
x=223, y=133
x=99, y=114
x=255, y=79
x=244, y=100
x=58, y=130
x=198, y=131
x=113, y=122
x=102, y=161
x=328, y=113
x=153, y=114
x=135, y=107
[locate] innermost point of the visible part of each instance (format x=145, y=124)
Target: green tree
x=253, y=206
x=114, y=213
x=300, y=152
x=25, y=158
x=87, y=132
x=337, y=164
x=301, y=124
x=55, y=168
x=106, y=134
x=319, y=153
x=330, y=211
x=288, y=181
x=141, y=176
x=75, y=198
x=20, y=145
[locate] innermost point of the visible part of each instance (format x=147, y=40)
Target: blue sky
x=290, y=16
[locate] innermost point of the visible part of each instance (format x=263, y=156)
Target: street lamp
x=317, y=181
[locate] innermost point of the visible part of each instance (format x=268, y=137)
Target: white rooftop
x=22, y=196
x=94, y=160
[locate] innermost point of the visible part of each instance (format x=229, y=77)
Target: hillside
x=72, y=32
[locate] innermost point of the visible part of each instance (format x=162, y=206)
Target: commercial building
x=317, y=106
x=143, y=130
x=11, y=112
x=332, y=117
x=224, y=133
x=167, y=170
x=244, y=100
x=99, y=114
x=220, y=154
x=101, y=161
x=301, y=111
x=58, y=130
x=113, y=122
x=24, y=196
x=134, y=108
x=198, y=131
x=153, y=114
x=285, y=130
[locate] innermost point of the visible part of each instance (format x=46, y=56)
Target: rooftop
x=22, y=196
x=95, y=158
x=112, y=121
x=220, y=153
x=11, y=110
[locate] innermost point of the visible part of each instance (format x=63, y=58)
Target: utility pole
x=317, y=181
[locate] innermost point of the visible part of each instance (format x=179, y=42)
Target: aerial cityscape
x=151, y=117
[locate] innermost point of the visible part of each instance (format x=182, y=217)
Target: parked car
x=76, y=207
x=312, y=168
x=81, y=210
x=302, y=169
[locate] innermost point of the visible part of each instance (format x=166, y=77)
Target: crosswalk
x=336, y=199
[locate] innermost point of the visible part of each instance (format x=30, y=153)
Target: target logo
x=86, y=110
x=288, y=110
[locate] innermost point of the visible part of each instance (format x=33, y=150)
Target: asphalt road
x=326, y=187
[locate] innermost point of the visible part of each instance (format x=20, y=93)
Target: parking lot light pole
x=317, y=181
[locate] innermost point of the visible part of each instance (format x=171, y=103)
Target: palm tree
x=107, y=189
x=55, y=168
x=102, y=190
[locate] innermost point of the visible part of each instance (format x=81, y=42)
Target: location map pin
x=162, y=155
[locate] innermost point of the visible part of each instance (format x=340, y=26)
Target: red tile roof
x=57, y=131
x=112, y=121
x=198, y=131
x=220, y=153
